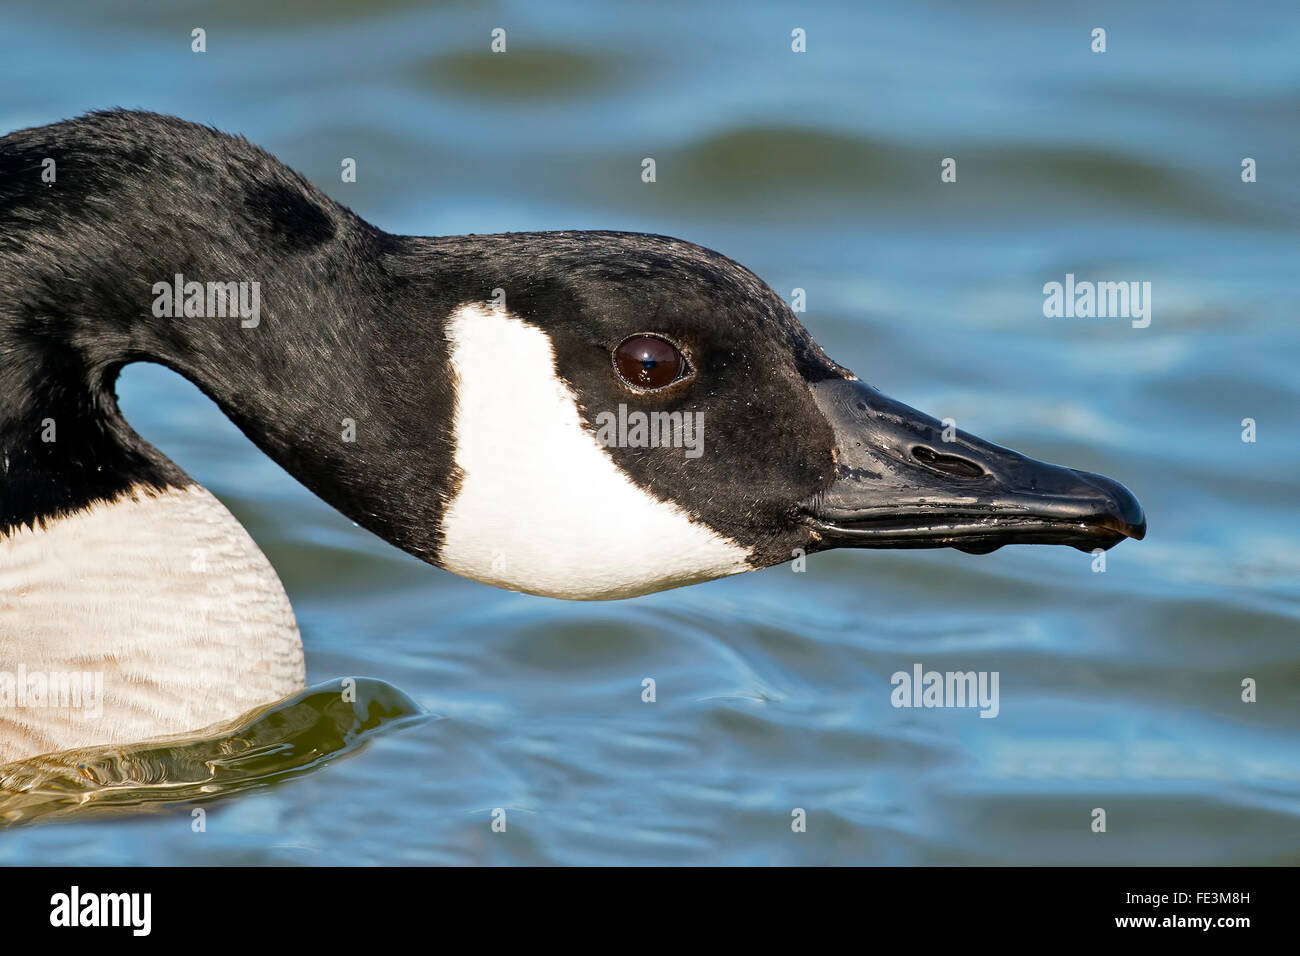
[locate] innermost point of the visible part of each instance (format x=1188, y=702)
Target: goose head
x=633, y=413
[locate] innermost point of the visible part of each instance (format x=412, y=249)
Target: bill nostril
x=947, y=464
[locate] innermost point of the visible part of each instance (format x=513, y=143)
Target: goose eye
x=648, y=362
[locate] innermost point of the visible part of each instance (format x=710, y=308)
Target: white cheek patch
x=541, y=506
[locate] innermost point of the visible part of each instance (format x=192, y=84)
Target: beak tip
x=1122, y=509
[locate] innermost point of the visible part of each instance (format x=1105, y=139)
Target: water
x=275, y=743
x=1119, y=690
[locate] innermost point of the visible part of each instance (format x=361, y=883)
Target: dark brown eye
x=648, y=362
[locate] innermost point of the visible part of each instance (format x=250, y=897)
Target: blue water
x=1119, y=690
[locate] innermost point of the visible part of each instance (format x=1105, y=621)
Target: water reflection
x=259, y=749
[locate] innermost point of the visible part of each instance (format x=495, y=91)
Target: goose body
x=157, y=606
x=456, y=396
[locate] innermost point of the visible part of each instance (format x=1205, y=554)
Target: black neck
x=138, y=199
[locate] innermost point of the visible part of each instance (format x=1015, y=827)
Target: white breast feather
x=167, y=597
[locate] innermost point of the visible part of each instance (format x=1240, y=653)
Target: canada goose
x=583, y=415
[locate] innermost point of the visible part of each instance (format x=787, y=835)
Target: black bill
x=900, y=485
